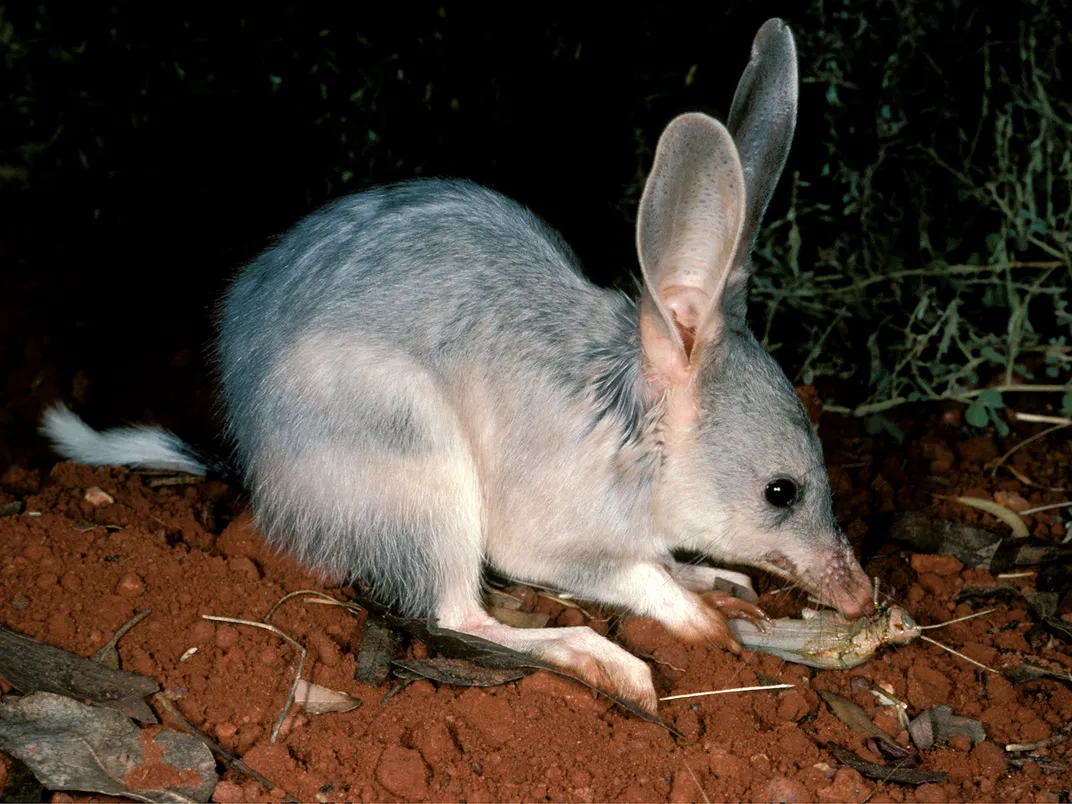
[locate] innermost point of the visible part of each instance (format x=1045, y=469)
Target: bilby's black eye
x=781, y=492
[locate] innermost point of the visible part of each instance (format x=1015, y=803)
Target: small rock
x=226, y=637
x=962, y=743
x=268, y=655
x=241, y=565
x=931, y=793
x=436, y=743
x=96, y=496
x=490, y=715
x=927, y=687
x=544, y=685
x=786, y=790
x=228, y=793
x=953, y=415
x=682, y=789
x=793, y=706
x=71, y=582
x=939, y=587
x=130, y=585
x=937, y=451
x=939, y=565
x=570, y=617
x=202, y=632
x=643, y=636
x=886, y=720
x=19, y=601
x=1011, y=500
x=327, y=651
x=991, y=759
x=847, y=785
x=403, y=773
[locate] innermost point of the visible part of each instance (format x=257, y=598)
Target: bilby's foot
x=577, y=651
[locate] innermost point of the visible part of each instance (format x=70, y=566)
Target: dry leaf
x=1010, y=518
x=974, y=547
x=1030, y=672
x=887, y=773
x=490, y=654
x=31, y=666
x=853, y=716
x=317, y=700
x=108, y=655
x=939, y=723
x=72, y=746
x=501, y=600
x=379, y=644
x=1027, y=481
x=459, y=672
x=519, y=619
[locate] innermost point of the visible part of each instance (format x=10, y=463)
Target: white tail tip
x=136, y=447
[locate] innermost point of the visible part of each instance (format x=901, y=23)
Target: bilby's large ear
x=763, y=116
x=688, y=232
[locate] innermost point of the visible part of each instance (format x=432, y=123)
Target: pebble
x=96, y=496
x=130, y=585
x=1011, y=500
x=939, y=565
x=403, y=772
x=226, y=637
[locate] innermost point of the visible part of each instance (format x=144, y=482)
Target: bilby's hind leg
x=385, y=488
x=579, y=651
x=361, y=466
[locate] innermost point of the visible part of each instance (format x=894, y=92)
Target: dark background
x=150, y=150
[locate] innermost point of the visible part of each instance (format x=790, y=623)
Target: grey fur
x=418, y=379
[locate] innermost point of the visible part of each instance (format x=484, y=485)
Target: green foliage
x=983, y=411
x=932, y=245
x=877, y=423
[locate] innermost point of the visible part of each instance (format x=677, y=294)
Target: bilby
x=418, y=379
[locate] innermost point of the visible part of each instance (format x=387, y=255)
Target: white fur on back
x=144, y=447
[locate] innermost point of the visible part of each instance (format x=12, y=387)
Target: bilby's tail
x=136, y=447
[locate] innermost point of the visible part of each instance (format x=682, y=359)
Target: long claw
x=733, y=608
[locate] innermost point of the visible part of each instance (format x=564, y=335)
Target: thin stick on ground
x=1059, y=736
x=1040, y=508
x=1041, y=418
x=724, y=692
x=109, y=648
x=692, y=773
x=1026, y=441
x=301, y=662
x=325, y=598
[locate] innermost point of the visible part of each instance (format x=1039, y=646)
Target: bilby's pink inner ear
x=688, y=235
